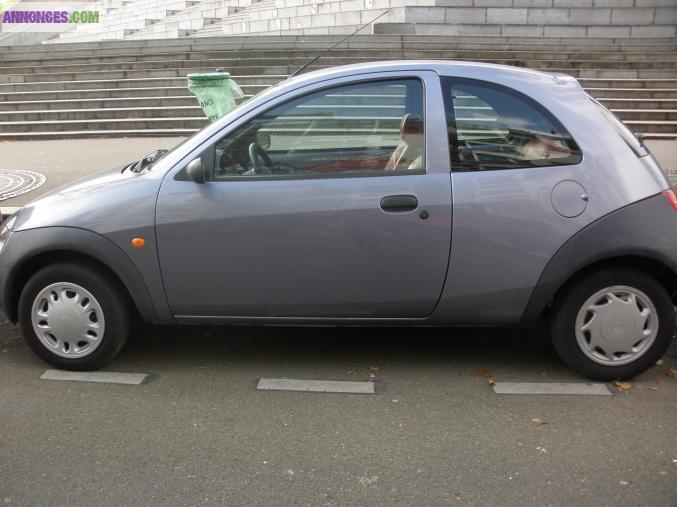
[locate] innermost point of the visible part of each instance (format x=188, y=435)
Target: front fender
x=24, y=247
x=646, y=229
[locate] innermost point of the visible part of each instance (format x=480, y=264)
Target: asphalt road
x=198, y=432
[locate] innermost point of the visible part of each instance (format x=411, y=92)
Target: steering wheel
x=258, y=154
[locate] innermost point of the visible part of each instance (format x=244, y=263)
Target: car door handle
x=399, y=203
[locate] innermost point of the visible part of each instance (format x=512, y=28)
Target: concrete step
x=249, y=84
x=94, y=133
x=221, y=58
x=653, y=126
x=639, y=103
x=178, y=112
x=241, y=79
x=241, y=69
x=183, y=97
x=75, y=96
x=192, y=109
x=383, y=38
x=97, y=103
x=186, y=124
x=113, y=48
x=628, y=115
x=283, y=67
x=595, y=83
x=150, y=58
x=280, y=50
x=634, y=93
x=212, y=51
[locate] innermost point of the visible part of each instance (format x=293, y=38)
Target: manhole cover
x=15, y=182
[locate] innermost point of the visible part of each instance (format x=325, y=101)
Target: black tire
x=566, y=309
x=108, y=293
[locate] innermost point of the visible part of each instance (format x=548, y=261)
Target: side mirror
x=195, y=171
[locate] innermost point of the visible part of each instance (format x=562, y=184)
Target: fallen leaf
x=353, y=371
x=542, y=450
x=660, y=362
x=482, y=372
x=491, y=383
x=404, y=417
x=624, y=483
x=536, y=420
x=653, y=389
x=670, y=372
x=623, y=386
x=368, y=481
x=374, y=368
x=196, y=424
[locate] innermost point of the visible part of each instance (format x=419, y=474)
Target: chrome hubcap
x=616, y=325
x=68, y=320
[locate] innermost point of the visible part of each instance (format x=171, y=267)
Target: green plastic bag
x=215, y=92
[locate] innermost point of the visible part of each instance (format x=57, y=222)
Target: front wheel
x=74, y=317
x=613, y=324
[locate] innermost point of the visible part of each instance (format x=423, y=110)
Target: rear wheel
x=613, y=324
x=74, y=317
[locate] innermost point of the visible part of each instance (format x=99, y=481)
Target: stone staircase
x=194, y=18
x=126, y=19
x=511, y=18
x=138, y=87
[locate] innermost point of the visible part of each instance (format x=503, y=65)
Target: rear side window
x=492, y=127
x=622, y=130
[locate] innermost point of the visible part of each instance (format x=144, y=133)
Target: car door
x=310, y=211
x=519, y=192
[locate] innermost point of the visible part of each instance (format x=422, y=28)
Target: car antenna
x=298, y=71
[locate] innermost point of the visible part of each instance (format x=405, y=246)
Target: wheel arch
x=621, y=238
x=41, y=247
x=658, y=270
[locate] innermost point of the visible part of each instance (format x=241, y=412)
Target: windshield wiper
x=146, y=161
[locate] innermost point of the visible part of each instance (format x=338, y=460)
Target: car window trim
x=365, y=174
x=429, y=77
x=447, y=82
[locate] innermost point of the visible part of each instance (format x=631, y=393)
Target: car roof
x=503, y=74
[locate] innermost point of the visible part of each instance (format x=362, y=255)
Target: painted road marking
x=316, y=386
x=551, y=388
x=108, y=377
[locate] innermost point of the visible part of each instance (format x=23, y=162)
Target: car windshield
x=239, y=106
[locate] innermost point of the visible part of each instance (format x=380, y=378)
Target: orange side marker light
x=138, y=242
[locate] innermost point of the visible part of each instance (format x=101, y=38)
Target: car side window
x=367, y=129
x=493, y=127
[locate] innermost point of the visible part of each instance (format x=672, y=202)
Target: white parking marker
x=108, y=377
x=316, y=386
x=551, y=388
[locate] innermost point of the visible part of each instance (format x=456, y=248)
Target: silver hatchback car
x=413, y=193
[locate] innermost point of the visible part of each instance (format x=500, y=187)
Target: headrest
x=411, y=124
